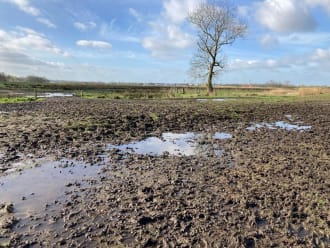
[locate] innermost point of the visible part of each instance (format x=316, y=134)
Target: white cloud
x=25, y=39
x=243, y=10
x=84, y=26
x=4, y=36
x=80, y=26
x=321, y=54
x=306, y=39
x=167, y=35
x=109, y=32
x=21, y=64
x=317, y=57
x=25, y=6
x=21, y=31
x=325, y=4
x=268, y=40
x=36, y=42
x=138, y=16
x=17, y=58
x=272, y=64
x=285, y=16
x=167, y=40
x=178, y=10
x=309, y=68
x=47, y=22
x=94, y=44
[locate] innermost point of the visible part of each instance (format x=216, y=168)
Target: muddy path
x=72, y=174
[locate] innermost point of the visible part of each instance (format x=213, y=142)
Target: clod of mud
x=7, y=222
x=6, y=208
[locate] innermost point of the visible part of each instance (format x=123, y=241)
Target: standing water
x=32, y=189
x=177, y=144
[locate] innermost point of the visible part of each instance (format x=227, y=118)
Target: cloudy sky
x=151, y=41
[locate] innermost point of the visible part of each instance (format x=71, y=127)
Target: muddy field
x=185, y=173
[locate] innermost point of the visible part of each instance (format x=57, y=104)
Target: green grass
x=17, y=99
x=240, y=95
x=154, y=116
x=275, y=99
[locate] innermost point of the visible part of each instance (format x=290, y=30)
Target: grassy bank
x=17, y=90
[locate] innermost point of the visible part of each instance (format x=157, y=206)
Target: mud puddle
x=214, y=99
x=52, y=94
x=55, y=94
x=31, y=190
x=298, y=126
x=177, y=144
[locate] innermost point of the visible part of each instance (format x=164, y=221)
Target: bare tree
x=217, y=26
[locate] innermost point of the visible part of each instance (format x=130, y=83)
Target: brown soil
x=269, y=188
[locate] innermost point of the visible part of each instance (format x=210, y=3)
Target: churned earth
x=80, y=173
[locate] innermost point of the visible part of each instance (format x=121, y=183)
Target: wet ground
x=96, y=173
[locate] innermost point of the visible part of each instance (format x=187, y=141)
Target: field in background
x=24, y=91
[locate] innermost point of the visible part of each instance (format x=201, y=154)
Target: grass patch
x=17, y=99
x=238, y=95
x=154, y=116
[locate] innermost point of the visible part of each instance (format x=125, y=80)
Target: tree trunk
x=209, y=81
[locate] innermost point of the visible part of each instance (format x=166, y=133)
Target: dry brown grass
x=282, y=92
x=313, y=91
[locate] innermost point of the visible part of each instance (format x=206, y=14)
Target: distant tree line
x=276, y=84
x=29, y=79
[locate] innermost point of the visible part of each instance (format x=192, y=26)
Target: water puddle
x=280, y=125
x=214, y=99
x=31, y=189
x=222, y=136
x=184, y=144
x=55, y=94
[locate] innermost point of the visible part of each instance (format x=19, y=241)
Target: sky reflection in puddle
x=55, y=94
x=279, y=125
x=184, y=144
x=214, y=99
x=52, y=94
x=32, y=189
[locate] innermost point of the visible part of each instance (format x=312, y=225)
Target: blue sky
x=151, y=41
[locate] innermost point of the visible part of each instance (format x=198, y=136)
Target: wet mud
x=76, y=173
